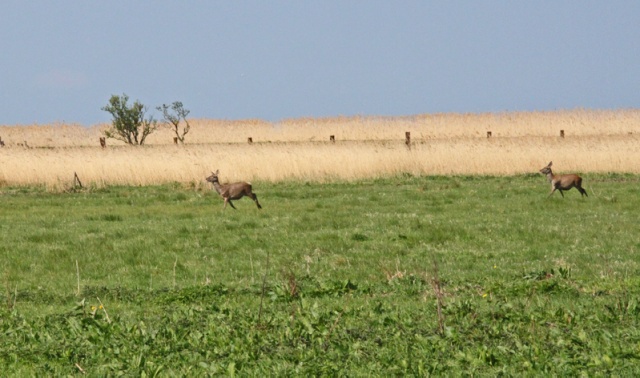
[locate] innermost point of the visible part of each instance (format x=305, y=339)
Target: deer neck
x=551, y=176
x=217, y=186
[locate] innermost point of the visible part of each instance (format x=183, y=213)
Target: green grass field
x=399, y=276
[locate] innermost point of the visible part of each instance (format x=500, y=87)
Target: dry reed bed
x=319, y=162
x=298, y=149
x=422, y=127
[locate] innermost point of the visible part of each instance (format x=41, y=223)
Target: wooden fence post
x=175, y=140
x=103, y=142
x=407, y=139
x=332, y=138
x=488, y=134
x=561, y=133
x=76, y=180
x=250, y=140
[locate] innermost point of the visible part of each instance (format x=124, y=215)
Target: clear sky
x=62, y=60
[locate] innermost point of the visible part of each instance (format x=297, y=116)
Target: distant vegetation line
x=301, y=149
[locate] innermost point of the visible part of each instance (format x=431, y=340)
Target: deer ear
x=550, y=164
x=217, y=171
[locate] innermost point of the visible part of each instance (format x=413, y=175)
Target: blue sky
x=62, y=60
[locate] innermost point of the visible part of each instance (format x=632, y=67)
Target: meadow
x=411, y=275
x=368, y=258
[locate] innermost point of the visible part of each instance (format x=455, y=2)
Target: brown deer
x=233, y=191
x=563, y=182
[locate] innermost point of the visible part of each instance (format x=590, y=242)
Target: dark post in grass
x=332, y=138
x=250, y=140
x=407, y=139
x=175, y=140
x=103, y=142
x=1, y=142
x=488, y=134
x=561, y=133
x=76, y=181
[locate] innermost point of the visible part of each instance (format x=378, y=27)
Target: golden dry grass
x=596, y=141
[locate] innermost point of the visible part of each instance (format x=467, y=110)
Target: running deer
x=563, y=182
x=233, y=191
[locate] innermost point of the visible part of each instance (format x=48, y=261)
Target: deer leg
x=560, y=190
x=255, y=199
x=226, y=200
x=582, y=192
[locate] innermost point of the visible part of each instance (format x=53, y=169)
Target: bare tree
x=173, y=115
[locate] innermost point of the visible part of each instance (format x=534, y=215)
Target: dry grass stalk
x=437, y=290
x=104, y=309
x=263, y=292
